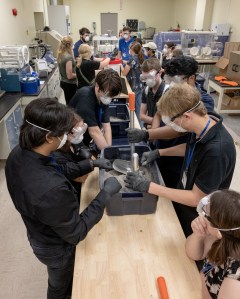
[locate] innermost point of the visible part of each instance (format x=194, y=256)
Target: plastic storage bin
x=119, y=119
x=132, y=202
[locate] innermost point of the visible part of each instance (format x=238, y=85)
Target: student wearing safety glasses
x=216, y=239
x=209, y=154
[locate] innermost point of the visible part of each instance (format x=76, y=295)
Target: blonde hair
x=84, y=50
x=179, y=99
x=65, y=47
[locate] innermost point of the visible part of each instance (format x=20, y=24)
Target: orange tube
x=162, y=287
x=131, y=101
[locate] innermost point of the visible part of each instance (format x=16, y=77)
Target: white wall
x=155, y=13
x=19, y=29
x=227, y=11
x=183, y=13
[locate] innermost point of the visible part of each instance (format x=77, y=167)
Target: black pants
x=69, y=90
x=60, y=265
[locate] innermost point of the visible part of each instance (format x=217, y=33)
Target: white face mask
x=175, y=127
x=125, y=36
x=78, y=134
x=105, y=99
x=62, y=141
x=151, y=82
x=86, y=38
x=165, y=50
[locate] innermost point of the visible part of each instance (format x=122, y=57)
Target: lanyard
x=190, y=152
x=100, y=114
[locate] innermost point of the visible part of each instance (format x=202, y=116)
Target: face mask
x=151, y=82
x=165, y=50
x=62, y=141
x=175, y=127
x=148, y=76
x=125, y=36
x=86, y=39
x=78, y=134
x=105, y=100
x=145, y=52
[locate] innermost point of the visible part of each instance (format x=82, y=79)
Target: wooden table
x=122, y=256
x=213, y=85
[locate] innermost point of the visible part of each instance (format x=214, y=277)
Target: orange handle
x=162, y=287
x=131, y=101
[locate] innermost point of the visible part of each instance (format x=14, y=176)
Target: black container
x=119, y=119
x=133, y=202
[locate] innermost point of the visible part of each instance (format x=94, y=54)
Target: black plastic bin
x=132, y=202
x=119, y=119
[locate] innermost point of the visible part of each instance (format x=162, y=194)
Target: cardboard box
x=222, y=65
x=230, y=102
x=229, y=47
x=233, y=70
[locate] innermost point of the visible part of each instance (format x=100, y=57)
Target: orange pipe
x=162, y=287
x=131, y=101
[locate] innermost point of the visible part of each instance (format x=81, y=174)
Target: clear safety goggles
x=80, y=130
x=176, y=79
x=201, y=209
x=189, y=110
x=148, y=76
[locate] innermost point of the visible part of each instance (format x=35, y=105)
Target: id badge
x=184, y=179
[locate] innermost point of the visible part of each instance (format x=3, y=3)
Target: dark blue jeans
x=60, y=265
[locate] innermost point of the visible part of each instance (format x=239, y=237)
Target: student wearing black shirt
x=44, y=196
x=209, y=154
x=91, y=103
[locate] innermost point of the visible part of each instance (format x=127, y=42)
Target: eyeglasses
x=201, y=209
x=189, y=110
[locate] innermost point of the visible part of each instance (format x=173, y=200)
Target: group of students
x=195, y=153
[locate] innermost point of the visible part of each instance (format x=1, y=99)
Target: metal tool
x=131, y=102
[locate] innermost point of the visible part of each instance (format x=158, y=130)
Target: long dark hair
x=225, y=213
x=46, y=113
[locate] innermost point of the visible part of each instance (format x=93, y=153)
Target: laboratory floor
x=22, y=276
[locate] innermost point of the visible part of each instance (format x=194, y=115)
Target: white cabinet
x=9, y=130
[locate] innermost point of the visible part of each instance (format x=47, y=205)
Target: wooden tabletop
x=122, y=256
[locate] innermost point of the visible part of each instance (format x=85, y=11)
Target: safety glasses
x=148, y=76
x=189, y=110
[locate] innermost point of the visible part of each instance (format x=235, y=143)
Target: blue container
x=29, y=85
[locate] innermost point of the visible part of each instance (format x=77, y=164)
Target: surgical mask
x=62, y=141
x=86, y=38
x=78, y=134
x=151, y=82
x=125, y=36
x=106, y=100
x=175, y=127
x=165, y=50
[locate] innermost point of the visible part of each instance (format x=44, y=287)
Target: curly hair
x=65, y=47
x=183, y=65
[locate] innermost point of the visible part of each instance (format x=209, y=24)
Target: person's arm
x=98, y=137
x=200, y=241
x=125, y=70
x=156, y=121
x=143, y=114
x=230, y=288
x=186, y=197
x=174, y=151
x=119, y=54
x=69, y=71
x=107, y=133
x=104, y=63
x=163, y=133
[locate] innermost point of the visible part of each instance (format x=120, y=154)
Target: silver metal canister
x=135, y=162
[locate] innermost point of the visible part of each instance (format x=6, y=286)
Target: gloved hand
x=137, y=182
x=102, y=163
x=148, y=157
x=112, y=186
x=137, y=135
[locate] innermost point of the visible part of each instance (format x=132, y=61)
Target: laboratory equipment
x=104, y=44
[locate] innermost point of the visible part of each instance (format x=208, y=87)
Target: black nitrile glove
x=148, y=157
x=102, y=163
x=137, y=182
x=137, y=135
x=111, y=186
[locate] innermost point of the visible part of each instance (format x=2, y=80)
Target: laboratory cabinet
x=9, y=130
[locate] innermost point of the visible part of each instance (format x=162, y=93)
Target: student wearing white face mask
x=45, y=198
x=124, y=43
x=84, y=38
x=209, y=154
x=72, y=156
x=91, y=103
